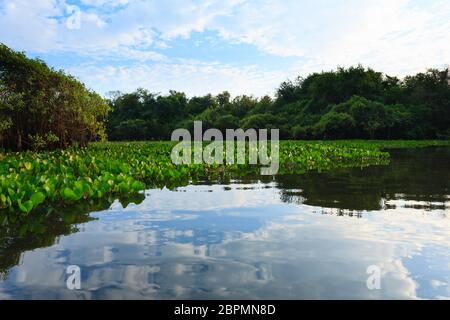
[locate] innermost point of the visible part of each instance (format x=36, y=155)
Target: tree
x=369, y=116
x=260, y=121
x=345, y=103
x=335, y=125
x=41, y=108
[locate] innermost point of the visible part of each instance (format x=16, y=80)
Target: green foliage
x=346, y=103
x=29, y=180
x=335, y=124
x=260, y=121
x=41, y=108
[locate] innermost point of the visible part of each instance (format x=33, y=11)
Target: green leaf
x=78, y=189
x=124, y=168
x=26, y=207
x=123, y=187
x=69, y=194
x=137, y=186
x=37, y=198
x=28, y=165
x=20, y=195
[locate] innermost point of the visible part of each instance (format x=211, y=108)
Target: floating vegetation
x=31, y=180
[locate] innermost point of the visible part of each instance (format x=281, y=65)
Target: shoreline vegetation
x=33, y=181
x=53, y=130
x=45, y=109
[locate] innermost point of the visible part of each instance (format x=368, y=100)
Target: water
x=307, y=236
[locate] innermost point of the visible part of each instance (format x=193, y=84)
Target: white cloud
x=26, y=25
x=396, y=37
x=112, y=3
x=193, y=77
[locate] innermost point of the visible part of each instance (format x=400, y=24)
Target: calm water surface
x=307, y=236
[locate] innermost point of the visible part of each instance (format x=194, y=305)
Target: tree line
x=41, y=108
x=343, y=104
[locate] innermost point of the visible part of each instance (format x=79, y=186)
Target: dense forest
x=346, y=103
x=41, y=108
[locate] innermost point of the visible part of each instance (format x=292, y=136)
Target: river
x=381, y=232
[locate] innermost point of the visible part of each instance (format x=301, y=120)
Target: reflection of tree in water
x=414, y=175
x=419, y=175
x=43, y=228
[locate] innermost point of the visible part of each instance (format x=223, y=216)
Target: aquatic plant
x=29, y=180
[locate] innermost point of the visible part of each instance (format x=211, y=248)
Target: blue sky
x=243, y=46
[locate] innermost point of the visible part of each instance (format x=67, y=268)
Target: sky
x=242, y=46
